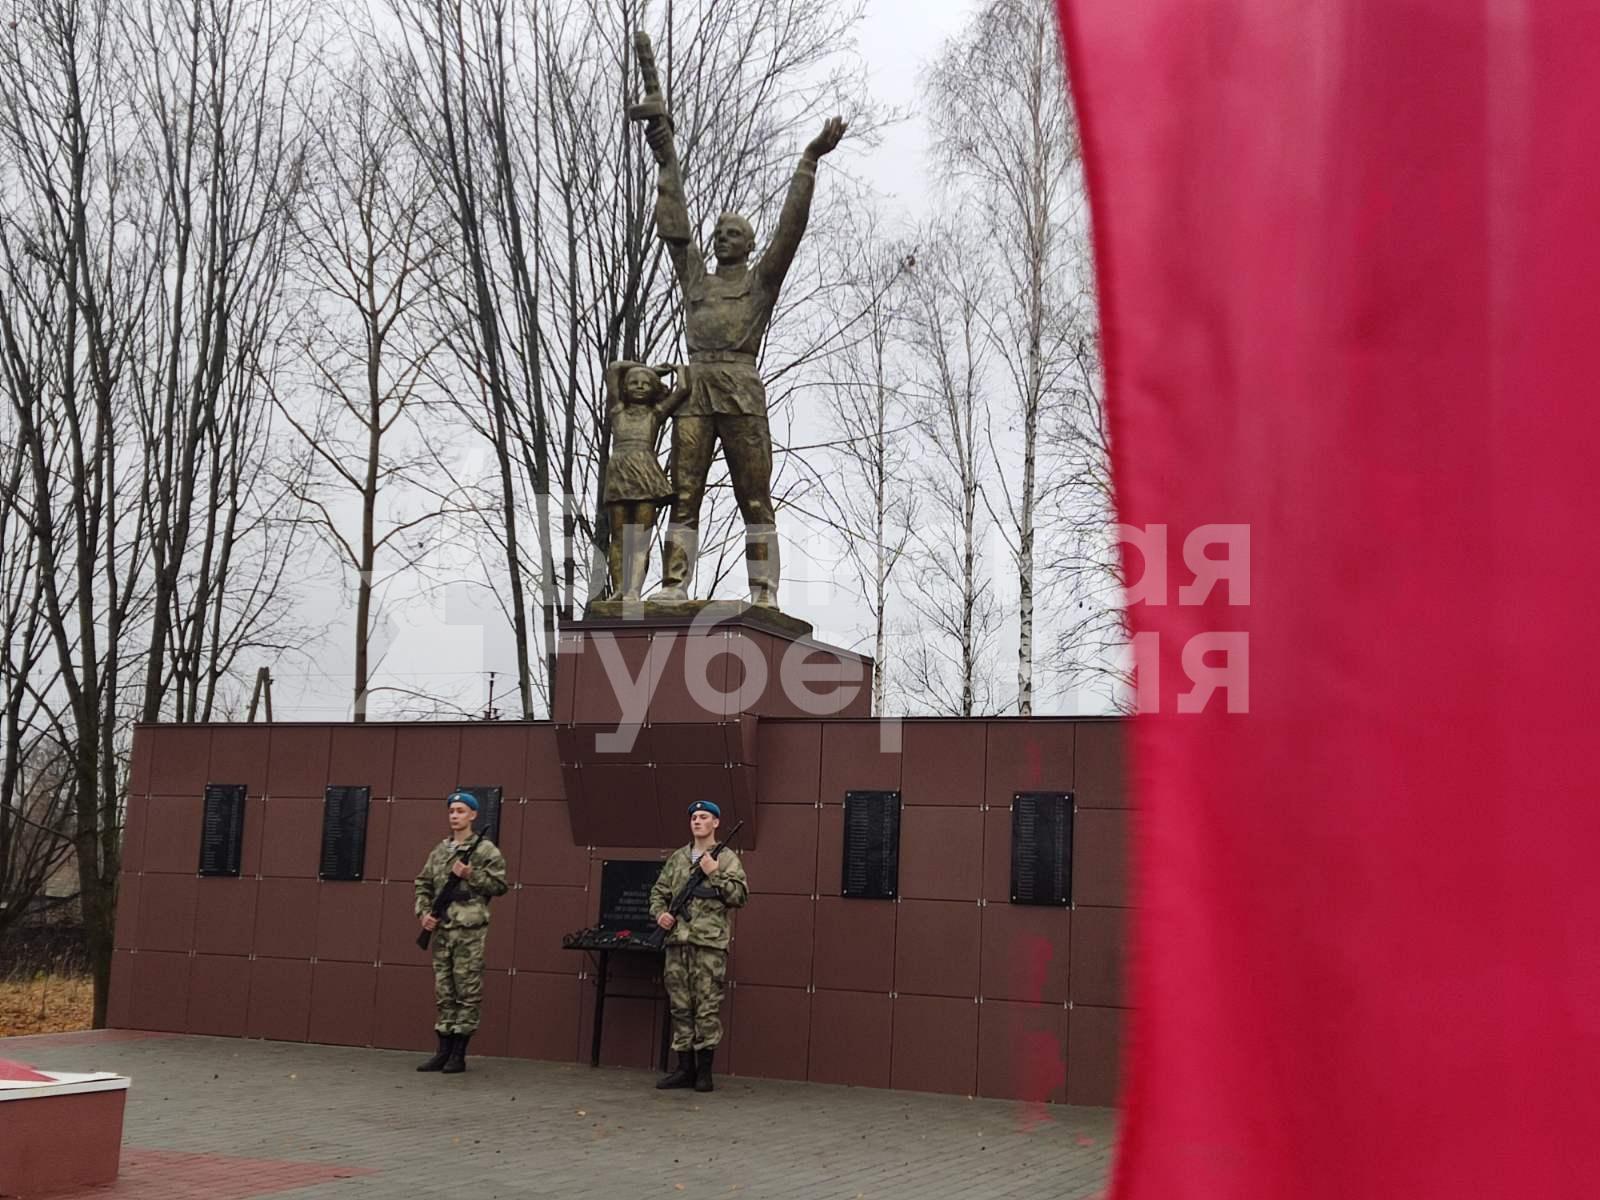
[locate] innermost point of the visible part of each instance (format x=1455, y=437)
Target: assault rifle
x=680, y=902
x=652, y=110
x=448, y=894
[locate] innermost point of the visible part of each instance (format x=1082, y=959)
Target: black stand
x=602, y=980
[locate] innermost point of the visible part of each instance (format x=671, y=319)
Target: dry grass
x=46, y=1004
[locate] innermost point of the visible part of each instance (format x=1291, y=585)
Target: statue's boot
x=614, y=565
x=677, y=562
x=761, y=566
x=638, y=562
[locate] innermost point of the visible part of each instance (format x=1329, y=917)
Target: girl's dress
x=632, y=472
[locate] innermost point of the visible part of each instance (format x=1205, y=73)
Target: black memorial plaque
x=625, y=885
x=488, y=822
x=1041, y=848
x=871, y=845
x=344, y=832
x=222, y=829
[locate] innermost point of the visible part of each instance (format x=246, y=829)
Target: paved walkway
x=225, y=1119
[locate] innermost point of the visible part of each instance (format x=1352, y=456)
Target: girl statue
x=638, y=403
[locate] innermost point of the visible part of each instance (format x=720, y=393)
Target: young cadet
x=697, y=946
x=459, y=937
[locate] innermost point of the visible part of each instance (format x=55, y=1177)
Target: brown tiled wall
x=950, y=988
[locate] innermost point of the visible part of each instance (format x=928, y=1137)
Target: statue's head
x=733, y=239
x=629, y=382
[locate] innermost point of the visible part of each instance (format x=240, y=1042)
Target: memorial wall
x=941, y=914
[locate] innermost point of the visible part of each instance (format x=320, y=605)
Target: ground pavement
x=227, y=1119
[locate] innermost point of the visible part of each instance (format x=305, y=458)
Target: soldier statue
x=697, y=946
x=460, y=933
x=726, y=313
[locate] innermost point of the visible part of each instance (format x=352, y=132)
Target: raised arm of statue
x=796, y=211
x=673, y=226
x=672, y=207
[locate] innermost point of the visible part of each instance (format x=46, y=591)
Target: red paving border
x=174, y=1175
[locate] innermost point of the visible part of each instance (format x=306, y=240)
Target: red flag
x=1349, y=261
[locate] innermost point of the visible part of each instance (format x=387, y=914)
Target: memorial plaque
x=488, y=822
x=625, y=885
x=871, y=845
x=344, y=832
x=1041, y=848
x=222, y=829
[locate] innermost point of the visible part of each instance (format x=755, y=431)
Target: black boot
x=437, y=1062
x=458, y=1055
x=683, y=1075
x=702, y=1069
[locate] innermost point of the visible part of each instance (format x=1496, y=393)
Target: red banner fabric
x=1349, y=265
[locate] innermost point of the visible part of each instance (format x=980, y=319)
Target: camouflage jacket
x=706, y=921
x=471, y=909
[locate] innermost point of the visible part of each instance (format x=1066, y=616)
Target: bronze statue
x=726, y=313
x=638, y=403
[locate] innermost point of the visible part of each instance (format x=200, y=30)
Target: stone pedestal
x=59, y=1132
x=658, y=710
x=756, y=616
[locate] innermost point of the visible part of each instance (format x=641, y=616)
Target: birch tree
x=866, y=494
x=1005, y=135
x=953, y=598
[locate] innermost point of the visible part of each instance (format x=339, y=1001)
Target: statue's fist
x=828, y=139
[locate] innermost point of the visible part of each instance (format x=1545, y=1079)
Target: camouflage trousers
x=458, y=977
x=694, y=977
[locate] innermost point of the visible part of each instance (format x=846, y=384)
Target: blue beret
x=466, y=798
x=705, y=806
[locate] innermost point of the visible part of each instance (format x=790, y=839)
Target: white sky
x=898, y=37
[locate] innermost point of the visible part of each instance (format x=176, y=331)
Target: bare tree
x=456, y=63
x=1004, y=131
x=862, y=484
x=953, y=597
x=220, y=163
x=74, y=279
x=1092, y=646
x=35, y=801
x=368, y=234
x=146, y=169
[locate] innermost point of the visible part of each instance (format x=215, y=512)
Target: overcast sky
x=897, y=38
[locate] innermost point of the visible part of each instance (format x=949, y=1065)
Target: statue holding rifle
x=726, y=313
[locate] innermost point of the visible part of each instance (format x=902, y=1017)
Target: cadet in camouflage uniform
x=697, y=946
x=459, y=939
